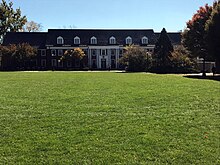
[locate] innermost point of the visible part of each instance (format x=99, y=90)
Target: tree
x=181, y=62
x=136, y=59
x=32, y=27
x=194, y=36
x=163, y=49
x=11, y=20
x=14, y=56
x=73, y=55
x=213, y=34
x=6, y=55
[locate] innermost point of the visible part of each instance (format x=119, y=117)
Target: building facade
x=103, y=47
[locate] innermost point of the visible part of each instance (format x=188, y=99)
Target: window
x=85, y=51
x=113, y=52
x=60, y=63
x=94, y=52
x=60, y=52
x=60, y=40
x=77, y=63
x=94, y=64
x=144, y=40
x=43, y=52
x=53, y=52
x=128, y=40
x=43, y=63
x=93, y=40
x=103, y=52
x=69, y=64
x=54, y=62
x=112, y=63
x=121, y=51
x=112, y=40
x=76, y=40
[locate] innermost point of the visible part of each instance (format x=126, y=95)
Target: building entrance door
x=103, y=63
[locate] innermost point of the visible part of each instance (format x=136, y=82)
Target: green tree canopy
x=136, y=59
x=10, y=20
x=181, y=61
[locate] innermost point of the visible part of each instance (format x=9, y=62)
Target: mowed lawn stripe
x=108, y=118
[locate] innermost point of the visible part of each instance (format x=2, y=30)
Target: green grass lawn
x=108, y=118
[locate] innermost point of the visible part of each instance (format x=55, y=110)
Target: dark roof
x=33, y=38
x=102, y=35
x=40, y=39
x=175, y=37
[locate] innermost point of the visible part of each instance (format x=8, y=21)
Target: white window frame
x=128, y=40
x=76, y=40
x=112, y=40
x=60, y=52
x=144, y=40
x=60, y=40
x=53, y=52
x=41, y=52
x=93, y=40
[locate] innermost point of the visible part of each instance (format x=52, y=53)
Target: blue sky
x=142, y=14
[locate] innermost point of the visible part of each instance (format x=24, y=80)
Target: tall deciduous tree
x=16, y=55
x=213, y=33
x=163, y=49
x=32, y=26
x=194, y=36
x=10, y=19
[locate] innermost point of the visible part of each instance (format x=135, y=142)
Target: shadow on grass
x=208, y=77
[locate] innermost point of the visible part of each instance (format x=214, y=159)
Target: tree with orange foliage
x=73, y=55
x=194, y=36
x=213, y=34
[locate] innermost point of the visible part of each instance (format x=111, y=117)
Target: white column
x=89, y=58
x=108, y=57
x=117, y=58
x=97, y=58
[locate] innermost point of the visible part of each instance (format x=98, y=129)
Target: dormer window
x=76, y=40
x=112, y=40
x=93, y=40
x=60, y=40
x=144, y=40
x=128, y=40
